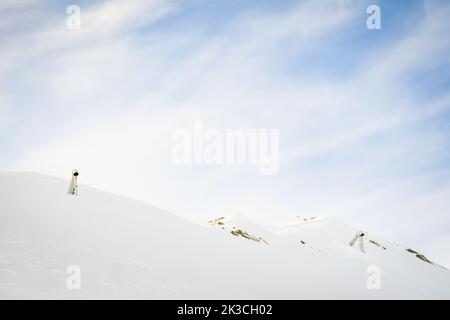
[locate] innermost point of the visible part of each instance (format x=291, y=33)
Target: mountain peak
x=127, y=249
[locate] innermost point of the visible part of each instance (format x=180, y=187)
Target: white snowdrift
x=128, y=249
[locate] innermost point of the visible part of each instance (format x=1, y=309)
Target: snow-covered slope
x=128, y=249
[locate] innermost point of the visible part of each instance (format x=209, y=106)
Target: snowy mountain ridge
x=128, y=249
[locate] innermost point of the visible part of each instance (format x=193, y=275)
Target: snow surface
x=128, y=249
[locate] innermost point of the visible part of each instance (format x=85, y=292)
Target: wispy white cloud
x=115, y=17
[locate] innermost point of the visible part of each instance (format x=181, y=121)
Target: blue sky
x=363, y=114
